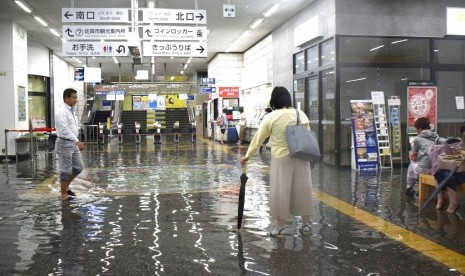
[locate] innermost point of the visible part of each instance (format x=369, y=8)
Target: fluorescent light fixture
x=185, y=66
x=376, y=48
x=150, y=4
x=436, y=50
x=41, y=21
x=404, y=79
x=172, y=78
x=354, y=80
x=152, y=59
x=399, y=41
x=271, y=10
x=244, y=35
x=115, y=60
x=77, y=60
x=54, y=32
x=182, y=72
x=93, y=57
x=189, y=60
x=256, y=23
x=23, y=6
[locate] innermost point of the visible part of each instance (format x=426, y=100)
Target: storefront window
x=299, y=62
x=357, y=83
x=450, y=85
x=37, y=104
x=449, y=51
x=327, y=52
x=384, y=50
x=312, y=58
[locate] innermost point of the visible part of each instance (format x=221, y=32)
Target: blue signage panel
x=207, y=81
x=208, y=89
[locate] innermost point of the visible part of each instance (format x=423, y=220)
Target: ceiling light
x=23, y=6
x=185, y=66
x=54, y=32
x=41, y=21
x=271, y=10
x=77, y=60
x=150, y=4
x=182, y=72
x=376, y=48
x=256, y=23
x=172, y=78
x=354, y=80
x=399, y=41
x=243, y=35
x=189, y=60
x=115, y=60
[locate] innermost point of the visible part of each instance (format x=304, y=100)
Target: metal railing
x=90, y=134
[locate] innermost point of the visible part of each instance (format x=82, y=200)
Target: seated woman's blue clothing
x=457, y=179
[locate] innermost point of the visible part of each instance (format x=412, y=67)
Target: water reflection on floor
x=172, y=209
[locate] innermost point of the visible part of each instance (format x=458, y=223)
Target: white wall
x=258, y=64
x=38, y=60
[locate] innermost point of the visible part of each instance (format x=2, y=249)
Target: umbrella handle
x=244, y=168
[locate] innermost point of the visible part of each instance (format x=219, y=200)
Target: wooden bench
x=427, y=184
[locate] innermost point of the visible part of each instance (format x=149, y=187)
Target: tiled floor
x=171, y=209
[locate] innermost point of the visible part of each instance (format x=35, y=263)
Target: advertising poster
x=136, y=102
x=364, y=133
x=173, y=101
x=21, y=103
x=161, y=102
x=421, y=102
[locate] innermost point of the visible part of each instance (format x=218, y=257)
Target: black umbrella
x=438, y=189
x=240, y=206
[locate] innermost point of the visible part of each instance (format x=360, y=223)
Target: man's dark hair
x=422, y=123
x=462, y=128
x=280, y=98
x=68, y=93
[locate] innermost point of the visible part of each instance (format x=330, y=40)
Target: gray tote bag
x=302, y=143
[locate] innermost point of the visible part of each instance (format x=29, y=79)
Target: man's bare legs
x=65, y=188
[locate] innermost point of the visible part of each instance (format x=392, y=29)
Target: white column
x=13, y=82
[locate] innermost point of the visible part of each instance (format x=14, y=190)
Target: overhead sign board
x=88, y=32
x=207, y=81
x=208, y=89
x=229, y=10
x=176, y=49
x=229, y=92
x=93, y=49
x=169, y=16
x=89, y=15
x=174, y=33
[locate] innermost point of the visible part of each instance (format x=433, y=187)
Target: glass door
x=328, y=117
x=312, y=106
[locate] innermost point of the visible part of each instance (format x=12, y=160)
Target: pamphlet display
x=382, y=130
x=394, y=126
x=364, y=133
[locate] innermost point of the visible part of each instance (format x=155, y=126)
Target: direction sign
x=88, y=32
x=86, y=48
x=174, y=33
x=169, y=16
x=207, y=89
x=174, y=49
x=88, y=15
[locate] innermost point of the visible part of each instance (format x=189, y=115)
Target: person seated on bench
x=457, y=179
x=419, y=159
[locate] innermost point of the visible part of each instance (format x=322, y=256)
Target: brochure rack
x=382, y=130
x=395, y=128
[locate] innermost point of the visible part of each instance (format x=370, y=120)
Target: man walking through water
x=68, y=146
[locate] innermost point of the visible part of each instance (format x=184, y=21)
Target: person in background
x=212, y=125
x=419, y=159
x=222, y=122
x=290, y=178
x=451, y=187
x=268, y=110
x=68, y=146
x=241, y=126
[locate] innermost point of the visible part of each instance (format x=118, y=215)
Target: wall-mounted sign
x=85, y=49
x=169, y=16
x=86, y=32
x=176, y=49
x=455, y=21
x=89, y=15
x=174, y=33
x=207, y=81
x=207, y=89
x=229, y=92
x=421, y=102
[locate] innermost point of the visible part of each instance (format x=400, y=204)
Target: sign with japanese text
x=207, y=89
x=421, y=102
x=169, y=16
x=89, y=15
x=229, y=92
x=176, y=49
x=107, y=49
x=207, y=81
x=86, y=32
x=174, y=33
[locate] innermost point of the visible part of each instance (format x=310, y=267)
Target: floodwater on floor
x=171, y=209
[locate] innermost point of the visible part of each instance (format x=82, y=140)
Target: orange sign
x=229, y=92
